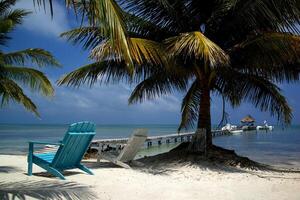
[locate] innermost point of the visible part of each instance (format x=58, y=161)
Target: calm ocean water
x=279, y=147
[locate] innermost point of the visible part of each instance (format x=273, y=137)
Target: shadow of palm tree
x=45, y=190
x=96, y=165
x=9, y=169
x=48, y=175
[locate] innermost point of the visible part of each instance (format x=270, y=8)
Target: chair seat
x=47, y=157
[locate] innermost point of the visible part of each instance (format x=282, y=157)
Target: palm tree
x=12, y=64
x=238, y=49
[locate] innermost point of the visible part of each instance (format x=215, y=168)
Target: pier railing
x=155, y=140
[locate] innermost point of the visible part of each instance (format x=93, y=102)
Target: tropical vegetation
x=14, y=72
x=238, y=49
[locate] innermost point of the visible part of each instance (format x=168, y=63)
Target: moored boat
x=265, y=127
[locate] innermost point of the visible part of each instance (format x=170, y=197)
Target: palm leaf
x=109, y=14
x=278, y=56
x=9, y=90
x=142, y=51
x=158, y=84
x=5, y=5
x=279, y=14
x=45, y=190
x=39, y=57
x=140, y=28
x=259, y=91
x=9, y=19
x=162, y=13
x=100, y=71
x=190, y=106
x=89, y=37
x=32, y=78
x=197, y=45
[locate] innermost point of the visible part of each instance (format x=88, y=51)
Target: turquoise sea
x=279, y=147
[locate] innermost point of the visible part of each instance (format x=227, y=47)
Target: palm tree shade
x=14, y=72
x=45, y=190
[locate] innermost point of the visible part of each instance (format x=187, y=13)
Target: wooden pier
x=155, y=140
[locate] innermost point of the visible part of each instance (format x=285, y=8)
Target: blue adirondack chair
x=69, y=154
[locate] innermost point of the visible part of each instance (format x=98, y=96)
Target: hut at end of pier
x=248, y=121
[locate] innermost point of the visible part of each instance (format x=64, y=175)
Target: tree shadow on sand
x=9, y=169
x=45, y=190
x=216, y=159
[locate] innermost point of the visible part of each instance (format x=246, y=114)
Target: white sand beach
x=175, y=181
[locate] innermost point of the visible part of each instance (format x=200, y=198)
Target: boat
x=265, y=127
x=232, y=129
x=238, y=131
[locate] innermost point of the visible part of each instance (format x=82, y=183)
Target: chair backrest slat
x=133, y=145
x=75, y=143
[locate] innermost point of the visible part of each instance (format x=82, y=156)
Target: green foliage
x=13, y=74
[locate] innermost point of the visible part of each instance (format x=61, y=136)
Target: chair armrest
x=51, y=143
x=31, y=147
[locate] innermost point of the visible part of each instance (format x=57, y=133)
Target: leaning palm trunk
x=202, y=139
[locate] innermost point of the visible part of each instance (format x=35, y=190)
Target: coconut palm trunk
x=202, y=139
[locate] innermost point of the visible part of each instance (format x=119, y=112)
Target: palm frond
x=45, y=190
x=258, y=90
x=32, y=78
x=105, y=51
x=197, y=45
x=157, y=85
x=89, y=37
x=278, y=15
x=9, y=90
x=16, y=15
x=9, y=19
x=6, y=4
x=190, y=106
x=140, y=28
x=109, y=13
x=278, y=56
x=104, y=72
x=142, y=51
x=162, y=13
x=39, y=57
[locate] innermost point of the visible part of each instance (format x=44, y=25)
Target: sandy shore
x=176, y=182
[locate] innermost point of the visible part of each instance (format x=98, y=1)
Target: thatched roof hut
x=248, y=119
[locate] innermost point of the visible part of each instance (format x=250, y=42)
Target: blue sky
x=102, y=104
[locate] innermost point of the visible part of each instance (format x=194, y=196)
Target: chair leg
x=56, y=173
x=85, y=169
x=29, y=168
x=99, y=155
x=29, y=159
x=121, y=164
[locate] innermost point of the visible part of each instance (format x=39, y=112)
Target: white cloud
x=41, y=21
x=101, y=104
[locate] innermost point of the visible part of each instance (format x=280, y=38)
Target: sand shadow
x=96, y=165
x=46, y=174
x=216, y=160
x=9, y=169
x=45, y=190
